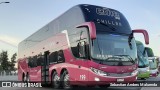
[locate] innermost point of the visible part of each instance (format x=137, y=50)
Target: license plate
x=120, y=80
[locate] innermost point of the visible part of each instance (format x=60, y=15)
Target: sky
x=20, y=18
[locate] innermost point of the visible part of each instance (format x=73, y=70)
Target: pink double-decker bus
x=88, y=45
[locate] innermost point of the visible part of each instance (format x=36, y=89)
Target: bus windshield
x=142, y=56
x=112, y=49
x=149, y=52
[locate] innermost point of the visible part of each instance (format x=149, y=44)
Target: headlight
x=98, y=72
x=135, y=72
x=148, y=69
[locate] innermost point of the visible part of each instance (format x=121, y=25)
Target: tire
x=23, y=78
x=27, y=78
x=65, y=80
x=55, y=80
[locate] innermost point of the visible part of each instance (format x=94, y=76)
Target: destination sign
x=108, y=12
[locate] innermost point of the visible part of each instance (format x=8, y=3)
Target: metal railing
x=8, y=73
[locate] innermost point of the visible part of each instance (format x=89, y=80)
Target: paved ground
x=110, y=88
x=10, y=78
x=85, y=88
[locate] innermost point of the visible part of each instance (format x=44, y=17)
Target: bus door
x=82, y=54
x=81, y=63
x=45, y=69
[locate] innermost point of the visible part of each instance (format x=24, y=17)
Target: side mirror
x=144, y=32
x=92, y=29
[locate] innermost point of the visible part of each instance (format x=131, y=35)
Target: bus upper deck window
x=61, y=56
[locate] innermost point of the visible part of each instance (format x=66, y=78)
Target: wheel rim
x=27, y=79
x=24, y=78
x=66, y=81
x=56, y=80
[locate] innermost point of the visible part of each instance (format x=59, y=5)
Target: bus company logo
x=19, y=84
x=108, y=12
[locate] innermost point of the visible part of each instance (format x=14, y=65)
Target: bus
x=153, y=63
x=143, y=62
x=87, y=45
x=158, y=60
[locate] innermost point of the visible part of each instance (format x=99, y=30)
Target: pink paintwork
x=144, y=32
x=75, y=66
x=92, y=28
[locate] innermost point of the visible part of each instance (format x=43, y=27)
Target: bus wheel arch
x=53, y=72
x=62, y=71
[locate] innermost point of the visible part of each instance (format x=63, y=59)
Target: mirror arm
x=92, y=28
x=144, y=32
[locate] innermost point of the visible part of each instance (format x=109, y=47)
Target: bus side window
x=61, y=56
x=53, y=57
x=29, y=62
x=77, y=37
x=40, y=60
x=34, y=61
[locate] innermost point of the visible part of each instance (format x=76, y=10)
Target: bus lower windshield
x=114, y=50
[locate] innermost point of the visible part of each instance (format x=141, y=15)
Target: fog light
x=96, y=79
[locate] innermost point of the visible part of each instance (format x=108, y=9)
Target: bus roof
x=111, y=19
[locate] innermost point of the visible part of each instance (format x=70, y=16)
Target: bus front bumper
x=144, y=75
x=101, y=80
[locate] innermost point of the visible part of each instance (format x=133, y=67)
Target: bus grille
x=119, y=75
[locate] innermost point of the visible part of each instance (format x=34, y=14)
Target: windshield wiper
x=118, y=62
x=127, y=57
x=120, y=58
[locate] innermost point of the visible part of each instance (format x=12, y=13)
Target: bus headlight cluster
x=135, y=72
x=99, y=72
x=148, y=69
